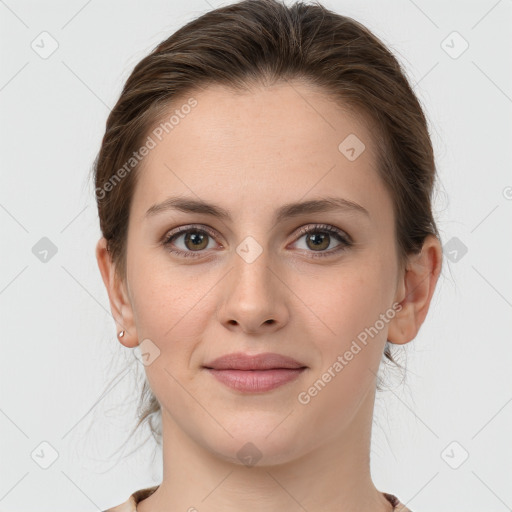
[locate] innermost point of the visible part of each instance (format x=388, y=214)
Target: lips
x=266, y=361
x=258, y=373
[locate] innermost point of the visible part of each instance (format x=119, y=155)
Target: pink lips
x=258, y=373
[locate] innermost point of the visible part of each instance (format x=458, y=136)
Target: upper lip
x=241, y=361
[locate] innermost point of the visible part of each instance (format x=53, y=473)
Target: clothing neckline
x=142, y=494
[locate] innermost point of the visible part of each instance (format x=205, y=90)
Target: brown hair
x=260, y=42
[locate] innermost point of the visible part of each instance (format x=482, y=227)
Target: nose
x=254, y=297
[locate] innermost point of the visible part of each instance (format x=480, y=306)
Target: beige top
x=131, y=504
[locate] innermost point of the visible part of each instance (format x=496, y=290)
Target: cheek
x=354, y=333
x=350, y=348
x=350, y=299
x=166, y=297
x=169, y=311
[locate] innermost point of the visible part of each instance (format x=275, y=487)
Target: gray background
x=59, y=349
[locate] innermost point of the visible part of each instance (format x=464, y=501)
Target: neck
x=333, y=476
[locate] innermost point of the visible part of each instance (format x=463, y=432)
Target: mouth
x=256, y=381
x=255, y=373
x=266, y=361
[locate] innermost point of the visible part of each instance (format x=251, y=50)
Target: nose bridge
x=252, y=277
x=253, y=295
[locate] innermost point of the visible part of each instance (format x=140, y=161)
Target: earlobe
x=119, y=302
x=415, y=291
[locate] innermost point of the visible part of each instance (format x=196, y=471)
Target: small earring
x=121, y=334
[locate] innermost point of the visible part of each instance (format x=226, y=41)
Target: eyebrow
x=290, y=210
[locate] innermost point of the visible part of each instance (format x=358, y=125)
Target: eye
x=319, y=237
x=194, y=240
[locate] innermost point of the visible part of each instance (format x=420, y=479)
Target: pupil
x=318, y=240
x=196, y=238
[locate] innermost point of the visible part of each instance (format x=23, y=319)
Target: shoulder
x=130, y=505
x=398, y=506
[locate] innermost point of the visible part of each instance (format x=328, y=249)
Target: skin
x=250, y=153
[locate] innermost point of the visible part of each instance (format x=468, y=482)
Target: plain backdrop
x=441, y=440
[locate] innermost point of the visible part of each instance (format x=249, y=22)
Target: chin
x=256, y=446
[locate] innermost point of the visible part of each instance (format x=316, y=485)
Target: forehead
x=288, y=114
x=279, y=143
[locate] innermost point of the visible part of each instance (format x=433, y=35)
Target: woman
x=264, y=193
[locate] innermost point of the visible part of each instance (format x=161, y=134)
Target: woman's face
x=251, y=282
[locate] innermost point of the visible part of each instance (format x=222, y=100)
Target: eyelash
x=322, y=228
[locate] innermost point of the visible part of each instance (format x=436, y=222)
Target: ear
x=119, y=300
x=414, y=292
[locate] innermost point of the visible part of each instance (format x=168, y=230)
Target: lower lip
x=254, y=381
